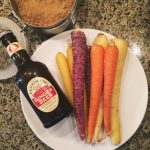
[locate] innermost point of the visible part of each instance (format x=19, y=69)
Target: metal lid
x=5, y=32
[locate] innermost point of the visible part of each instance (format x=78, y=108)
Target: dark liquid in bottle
x=39, y=87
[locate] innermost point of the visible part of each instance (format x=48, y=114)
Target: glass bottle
x=37, y=84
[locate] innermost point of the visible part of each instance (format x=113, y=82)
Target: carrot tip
x=77, y=28
x=99, y=139
x=99, y=34
x=82, y=137
x=108, y=134
x=89, y=141
x=102, y=138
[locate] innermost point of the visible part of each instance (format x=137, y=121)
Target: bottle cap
x=4, y=33
x=5, y=25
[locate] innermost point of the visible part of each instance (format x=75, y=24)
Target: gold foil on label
x=43, y=94
x=13, y=48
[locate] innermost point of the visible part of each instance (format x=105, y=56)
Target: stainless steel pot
x=68, y=21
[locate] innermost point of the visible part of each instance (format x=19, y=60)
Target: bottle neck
x=14, y=49
x=20, y=58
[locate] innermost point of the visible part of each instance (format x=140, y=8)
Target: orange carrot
x=97, y=69
x=110, y=64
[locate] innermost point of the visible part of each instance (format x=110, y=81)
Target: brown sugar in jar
x=43, y=12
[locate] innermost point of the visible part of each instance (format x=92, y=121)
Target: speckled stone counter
x=129, y=19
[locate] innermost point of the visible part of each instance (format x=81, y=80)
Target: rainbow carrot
x=122, y=46
x=88, y=75
x=102, y=40
x=79, y=53
x=64, y=71
x=110, y=64
x=97, y=69
x=70, y=58
x=70, y=63
x=99, y=121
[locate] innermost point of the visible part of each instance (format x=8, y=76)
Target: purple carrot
x=88, y=75
x=79, y=54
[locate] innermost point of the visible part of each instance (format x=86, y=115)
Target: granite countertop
x=129, y=19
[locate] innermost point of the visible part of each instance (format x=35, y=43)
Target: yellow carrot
x=102, y=40
x=70, y=58
x=99, y=122
x=115, y=120
x=63, y=67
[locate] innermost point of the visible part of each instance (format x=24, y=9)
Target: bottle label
x=43, y=94
x=13, y=48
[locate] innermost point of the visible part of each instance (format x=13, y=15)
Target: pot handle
x=24, y=27
x=74, y=22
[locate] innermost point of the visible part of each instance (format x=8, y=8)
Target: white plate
x=12, y=69
x=133, y=99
